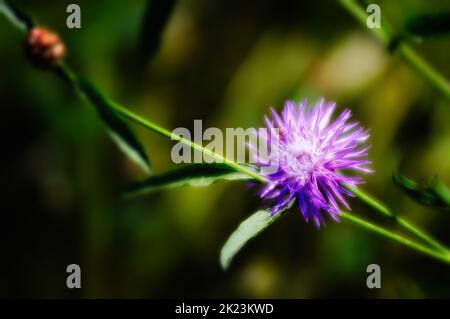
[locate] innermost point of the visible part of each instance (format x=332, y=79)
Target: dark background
x=224, y=62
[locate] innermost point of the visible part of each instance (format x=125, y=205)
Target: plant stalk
x=441, y=252
x=415, y=61
x=70, y=75
x=382, y=209
x=439, y=255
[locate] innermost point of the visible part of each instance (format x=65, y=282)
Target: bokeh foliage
x=224, y=62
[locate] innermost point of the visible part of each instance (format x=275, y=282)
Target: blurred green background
x=224, y=62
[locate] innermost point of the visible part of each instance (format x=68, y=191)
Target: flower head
x=310, y=151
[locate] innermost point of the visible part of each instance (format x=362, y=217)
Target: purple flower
x=310, y=151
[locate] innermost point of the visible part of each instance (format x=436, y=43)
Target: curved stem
x=442, y=256
x=381, y=208
x=422, y=67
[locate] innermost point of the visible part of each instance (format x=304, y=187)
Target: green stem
x=162, y=131
x=442, y=256
x=70, y=75
x=423, y=68
x=368, y=199
x=359, y=14
x=381, y=208
x=443, y=253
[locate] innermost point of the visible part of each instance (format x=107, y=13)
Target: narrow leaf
x=247, y=230
x=19, y=18
x=192, y=175
x=434, y=194
x=119, y=130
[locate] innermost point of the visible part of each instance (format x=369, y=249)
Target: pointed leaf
x=435, y=194
x=119, y=130
x=192, y=175
x=247, y=230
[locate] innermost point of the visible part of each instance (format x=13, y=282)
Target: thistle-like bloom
x=310, y=151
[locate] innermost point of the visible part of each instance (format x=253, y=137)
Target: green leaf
x=247, y=230
x=19, y=18
x=192, y=175
x=428, y=25
x=119, y=130
x=434, y=194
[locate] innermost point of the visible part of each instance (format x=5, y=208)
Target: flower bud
x=44, y=47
